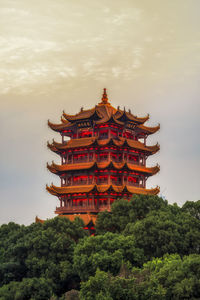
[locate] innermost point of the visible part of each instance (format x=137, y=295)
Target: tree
x=107, y=287
x=106, y=252
x=28, y=288
x=41, y=250
x=124, y=212
x=169, y=231
x=169, y=278
x=193, y=208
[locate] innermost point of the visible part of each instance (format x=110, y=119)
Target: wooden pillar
x=97, y=205
x=143, y=159
x=109, y=181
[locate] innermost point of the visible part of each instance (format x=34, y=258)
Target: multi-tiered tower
x=103, y=157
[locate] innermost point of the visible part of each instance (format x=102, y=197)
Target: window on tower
x=103, y=156
x=102, y=179
x=85, y=133
x=128, y=135
x=103, y=134
x=82, y=157
x=132, y=158
x=114, y=157
x=113, y=133
x=103, y=201
x=132, y=180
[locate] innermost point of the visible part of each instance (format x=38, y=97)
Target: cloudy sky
x=57, y=55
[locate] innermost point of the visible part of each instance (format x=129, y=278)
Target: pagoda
x=103, y=157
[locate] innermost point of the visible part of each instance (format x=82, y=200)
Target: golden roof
x=102, y=113
x=54, y=168
x=74, y=143
x=105, y=111
x=59, y=127
x=83, y=142
x=38, y=220
x=123, y=115
x=56, y=191
x=87, y=218
x=148, y=130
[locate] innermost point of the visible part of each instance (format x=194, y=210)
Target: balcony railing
x=133, y=184
x=101, y=182
x=104, y=182
x=116, y=182
x=72, y=209
x=101, y=159
x=80, y=160
x=81, y=182
x=85, y=160
x=80, y=208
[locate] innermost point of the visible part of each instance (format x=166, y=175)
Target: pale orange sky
x=57, y=55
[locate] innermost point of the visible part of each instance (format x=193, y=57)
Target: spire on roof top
x=104, y=99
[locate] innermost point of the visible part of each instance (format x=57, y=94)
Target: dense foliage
x=143, y=249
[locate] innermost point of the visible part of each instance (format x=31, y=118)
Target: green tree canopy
x=193, y=208
x=168, y=231
x=103, y=286
x=48, y=261
x=124, y=212
x=106, y=252
x=41, y=250
x=169, y=278
x=27, y=289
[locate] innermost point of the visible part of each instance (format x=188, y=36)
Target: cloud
x=71, y=41
x=145, y=52
x=11, y=11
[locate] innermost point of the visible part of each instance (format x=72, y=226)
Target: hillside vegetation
x=144, y=249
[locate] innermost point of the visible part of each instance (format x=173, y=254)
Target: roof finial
x=104, y=97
